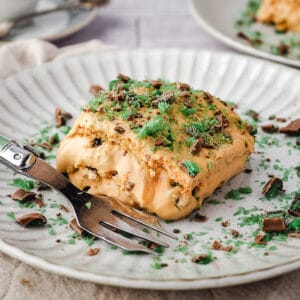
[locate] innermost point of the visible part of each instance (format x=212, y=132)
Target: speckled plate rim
x=227, y=40
x=212, y=282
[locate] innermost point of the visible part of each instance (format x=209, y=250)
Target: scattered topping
x=74, y=226
x=217, y=245
x=294, y=209
x=123, y=77
x=46, y=146
x=32, y=219
x=175, y=230
x=228, y=248
x=294, y=225
x=281, y=120
x=61, y=117
x=97, y=142
x=26, y=185
x=95, y=89
x=202, y=259
x=199, y=218
x=224, y=223
x=292, y=129
x=260, y=239
x=273, y=224
x=119, y=129
x=129, y=185
x=253, y=114
x=192, y=168
x=269, y=128
x=93, y=251
x=196, y=147
x=22, y=195
x=272, y=187
x=156, y=83
x=234, y=233
x=183, y=86
x=294, y=235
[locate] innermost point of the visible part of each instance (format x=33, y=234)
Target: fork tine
x=116, y=239
x=157, y=227
x=128, y=227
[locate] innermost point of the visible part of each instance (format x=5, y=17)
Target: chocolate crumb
x=281, y=120
x=284, y=49
x=95, y=89
x=295, y=235
x=224, y=223
x=291, y=129
x=39, y=202
x=97, y=142
x=294, y=209
x=156, y=83
x=216, y=245
x=22, y=195
x=199, y=218
x=158, y=142
x=53, y=140
x=32, y=219
x=260, y=239
x=64, y=208
x=46, y=146
x=273, y=224
x=228, y=248
x=61, y=117
x=183, y=86
x=199, y=257
x=234, y=233
x=73, y=225
x=269, y=128
x=123, y=77
x=119, y=129
x=93, y=251
x=176, y=231
x=187, y=237
x=129, y=185
x=58, y=241
x=248, y=171
x=196, y=147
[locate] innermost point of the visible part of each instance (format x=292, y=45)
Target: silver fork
x=103, y=217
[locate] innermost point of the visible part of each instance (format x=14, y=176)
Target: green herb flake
x=88, y=205
x=192, y=168
x=12, y=216
x=26, y=185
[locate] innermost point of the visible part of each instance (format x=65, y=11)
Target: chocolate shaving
x=123, y=77
x=253, y=114
x=156, y=83
x=228, y=248
x=196, y=147
x=32, y=219
x=260, y=239
x=46, y=145
x=64, y=208
x=134, y=116
x=119, y=129
x=272, y=187
x=273, y=224
x=22, y=195
x=269, y=128
x=245, y=37
x=294, y=209
x=222, y=121
x=185, y=94
x=294, y=235
x=129, y=186
x=183, y=86
x=39, y=202
x=53, y=140
x=291, y=129
x=93, y=251
x=199, y=218
x=281, y=120
x=188, y=103
x=74, y=226
x=95, y=89
x=61, y=117
x=199, y=257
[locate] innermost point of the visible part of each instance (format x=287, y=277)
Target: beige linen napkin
x=20, y=281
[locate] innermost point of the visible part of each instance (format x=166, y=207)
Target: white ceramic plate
x=27, y=103
x=218, y=19
x=54, y=26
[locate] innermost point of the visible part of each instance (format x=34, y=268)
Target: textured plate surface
x=54, y=26
x=218, y=18
x=27, y=103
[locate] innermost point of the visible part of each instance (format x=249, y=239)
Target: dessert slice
x=155, y=145
x=284, y=14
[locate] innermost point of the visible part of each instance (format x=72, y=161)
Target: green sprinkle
x=188, y=111
x=210, y=165
x=245, y=190
x=164, y=107
x=88, y=205
x=192, y=168
x=294, y=225
x=51, y=231
x=218, y=219
x=234, y=195
x=26, y=185
x=65, y=129
x=12, y=216
x=89, y=239
x=157, y=265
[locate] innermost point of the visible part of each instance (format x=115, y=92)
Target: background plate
x=27, y=104
x=218, y=19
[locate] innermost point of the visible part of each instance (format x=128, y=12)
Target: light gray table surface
x=139, y=23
